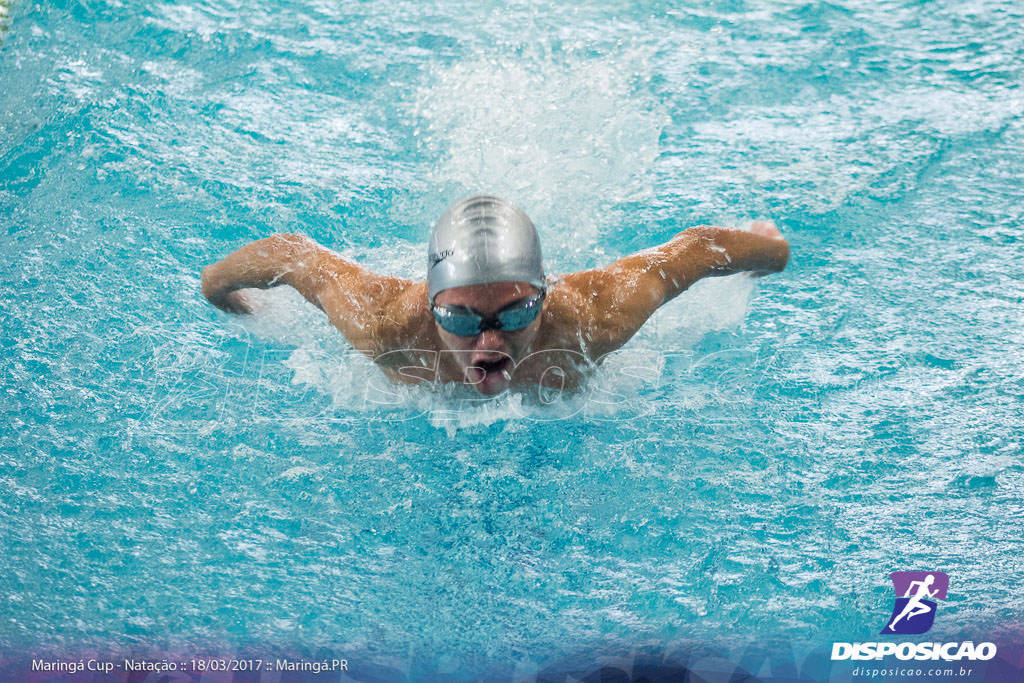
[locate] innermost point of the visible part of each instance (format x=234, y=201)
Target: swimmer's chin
x=493, y=390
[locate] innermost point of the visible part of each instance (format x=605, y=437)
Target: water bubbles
x=567, y=137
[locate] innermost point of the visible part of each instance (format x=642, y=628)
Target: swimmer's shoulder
x=378, y=313
x=579, y=315
x=405, y=319
x=569, y=310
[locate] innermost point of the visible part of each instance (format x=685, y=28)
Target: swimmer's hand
x=766, y=229
x=236, y=302
x=770, y=230
x=219, y=291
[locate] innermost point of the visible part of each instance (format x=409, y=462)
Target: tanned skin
x=585, y=315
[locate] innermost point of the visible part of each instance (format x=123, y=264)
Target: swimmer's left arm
x=668, y=270
x=624, y=294
x=707, y=251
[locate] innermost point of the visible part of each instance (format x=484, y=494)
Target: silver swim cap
x=480, y=240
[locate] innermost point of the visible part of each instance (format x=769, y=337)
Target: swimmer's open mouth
x=492, y=366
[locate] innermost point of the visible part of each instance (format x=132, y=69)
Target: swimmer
x=487, y=316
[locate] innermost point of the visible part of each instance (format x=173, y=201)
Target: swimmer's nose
x=490, y=340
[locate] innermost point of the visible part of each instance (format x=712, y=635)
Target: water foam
x=567, y=137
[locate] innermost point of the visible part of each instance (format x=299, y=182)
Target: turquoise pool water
x=748, y=470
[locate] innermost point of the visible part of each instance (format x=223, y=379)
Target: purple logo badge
x=914, y=611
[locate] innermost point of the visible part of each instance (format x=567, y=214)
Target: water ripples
x=756, y=460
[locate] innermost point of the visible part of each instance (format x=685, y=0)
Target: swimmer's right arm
x=353, y=297
x=269, y=262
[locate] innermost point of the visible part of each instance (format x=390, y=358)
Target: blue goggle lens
x=466, y=322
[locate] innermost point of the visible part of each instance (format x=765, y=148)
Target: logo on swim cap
x=914, y=611
x=437, y=257
x=480, y=240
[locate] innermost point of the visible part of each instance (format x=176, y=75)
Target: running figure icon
x=914, y=611
x=915, y=607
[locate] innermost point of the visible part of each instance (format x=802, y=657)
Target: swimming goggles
x=463, y=321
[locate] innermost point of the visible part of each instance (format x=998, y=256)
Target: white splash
x=566, y=137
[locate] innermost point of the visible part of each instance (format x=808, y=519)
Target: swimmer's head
x=486, y=287
x=481, y=240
